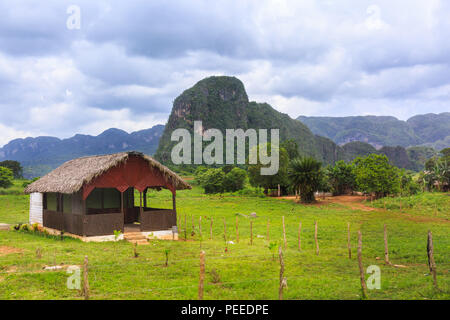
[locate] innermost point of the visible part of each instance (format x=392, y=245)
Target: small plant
x=35, y=227
x=166, y=252
x=136, y=254
x=38, y=253
x=24, y=227
x=215, y=277
x=273, y=248
x=117, y=234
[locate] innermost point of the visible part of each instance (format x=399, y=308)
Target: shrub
x=212, y=180
x=234, y=180
x=6, y=177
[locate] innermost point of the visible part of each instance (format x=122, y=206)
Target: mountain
x=379, y=131
x=222, y=103
x=42, y=154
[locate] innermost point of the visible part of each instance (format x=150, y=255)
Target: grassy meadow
x=239, y=270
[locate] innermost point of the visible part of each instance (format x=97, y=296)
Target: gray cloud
x=129, y=60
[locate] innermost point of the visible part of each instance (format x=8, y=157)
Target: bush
x=212, y=180
x=234, y=180
x=6, y=177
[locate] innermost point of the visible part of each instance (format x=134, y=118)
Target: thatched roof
x=71, y=176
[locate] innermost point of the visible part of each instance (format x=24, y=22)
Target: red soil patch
x=4, y=250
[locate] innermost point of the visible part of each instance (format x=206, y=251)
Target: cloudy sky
x=129, y=60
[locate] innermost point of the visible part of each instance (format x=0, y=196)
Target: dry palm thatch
x=71, y=176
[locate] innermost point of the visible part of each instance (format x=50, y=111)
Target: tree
x=6, y=177
x=374, y=174
x=291, y=148
x=306, y=175
x=270, y=181
x=212, y=180
x=234, y=180
x=341, y=177
x=14, y=166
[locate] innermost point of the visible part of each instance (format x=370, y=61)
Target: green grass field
x=245, y=271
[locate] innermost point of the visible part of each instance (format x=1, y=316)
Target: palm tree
x=305, y=174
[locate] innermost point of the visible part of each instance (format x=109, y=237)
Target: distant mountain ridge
x=41, y=154
x=431, y=130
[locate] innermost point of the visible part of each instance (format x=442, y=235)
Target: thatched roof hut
x=95, y=195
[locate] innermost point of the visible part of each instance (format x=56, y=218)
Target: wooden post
x=202, y=275
x=251, y=232
x=210, y=229
x=283, y=282
x=140, y=205
x=315, y=237
x=430, y=253
x=284, y=234
x=386, y=248
x=174, y=201
x=299, y=236
x=348, y=241
x=268, y=225
x=237, y=229
x=361, y=268
x=225, y=230
x=145, y=198
x=86, y=279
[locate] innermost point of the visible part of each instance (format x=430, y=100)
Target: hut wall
x=77, y=204
x=36, y=208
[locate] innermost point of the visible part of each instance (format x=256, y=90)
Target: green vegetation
x=219, y=181
x=374, y=174
x=305, y=174
x=14, y=166
x=341, y=178
x=244, y=271
x=6, y=177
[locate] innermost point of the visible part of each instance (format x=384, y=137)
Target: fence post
x=284, y=234
x=361, y=268
x=348, y=241
x=237, y=229
x=386, y=248
x=210, y=228
x=185, y=227
x=431, y=263
x=299, y=237
x=315, y=237
x=225, y=230
x=251, y=232
x=202, y=275
x=86, y=278
x=283, y=281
